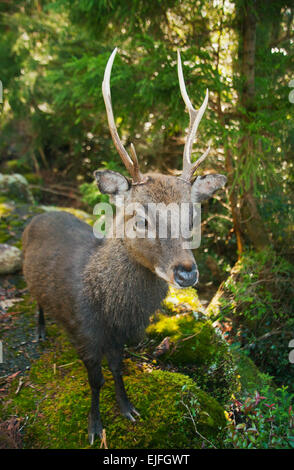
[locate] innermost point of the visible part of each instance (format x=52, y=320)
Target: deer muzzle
x=186, y=276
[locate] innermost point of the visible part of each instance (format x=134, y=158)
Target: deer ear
x=111, y=182
x=205, y=186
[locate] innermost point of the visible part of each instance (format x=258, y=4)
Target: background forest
x=54, y=132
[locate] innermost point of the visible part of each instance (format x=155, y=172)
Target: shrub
x=256, y=311
x=264, y=420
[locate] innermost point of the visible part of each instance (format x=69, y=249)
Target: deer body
x=103, y=291
x=92, y=287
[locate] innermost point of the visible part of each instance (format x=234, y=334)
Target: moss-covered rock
x=198, y=349
x=251, y=378
x=56, y=399
x=14, y=221
x=254, y=307
x=15, y=187
x=14, y=217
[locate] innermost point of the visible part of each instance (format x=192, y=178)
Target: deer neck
x=127, y=292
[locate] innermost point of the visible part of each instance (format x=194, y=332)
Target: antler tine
x=131, y=163
x=195, y=118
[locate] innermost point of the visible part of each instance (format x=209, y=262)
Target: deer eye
x=141, y=223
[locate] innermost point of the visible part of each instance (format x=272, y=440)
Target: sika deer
x=103, y=291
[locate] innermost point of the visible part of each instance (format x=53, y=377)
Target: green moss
x=57, y=404
x=251, y=378
x=56, y=398
x=14, y=218
x=192, y=341
x=17, y=166
x=32, y=178
x=5, y=208
x=13, y=223
x=255, y=308
x=181, y=299
x=200, y=349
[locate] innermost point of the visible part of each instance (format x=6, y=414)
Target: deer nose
x=186, y=276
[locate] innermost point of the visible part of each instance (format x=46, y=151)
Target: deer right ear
x=205, y=186
x=111, y=182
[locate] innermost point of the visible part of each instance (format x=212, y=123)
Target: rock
x=15, y=187
x=161, y=397
x=10, y=259
x=197, y=348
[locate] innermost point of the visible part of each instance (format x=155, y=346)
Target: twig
x=136, y=355
x=221, y=216
x=194, y=423
x=20, y=384
x=53, y=191
x=66, y=365
x=103, y=440
x=266, y=335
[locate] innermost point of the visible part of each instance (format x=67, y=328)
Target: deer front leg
x=96, y=380
x=115, y=365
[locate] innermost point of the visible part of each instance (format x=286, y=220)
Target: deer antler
x=195, y=118
x=131, y=163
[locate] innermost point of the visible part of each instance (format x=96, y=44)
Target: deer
x=103, y=291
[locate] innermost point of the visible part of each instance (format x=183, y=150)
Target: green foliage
x=256, y=309
x=54, y=116
x=262, y=420
x=90, y=194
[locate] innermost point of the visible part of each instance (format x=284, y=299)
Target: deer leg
x=115, y=365
x=41, y=331
x=96, y=380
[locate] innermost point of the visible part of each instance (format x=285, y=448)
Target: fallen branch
x=53, y=191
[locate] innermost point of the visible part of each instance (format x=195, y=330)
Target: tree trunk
x=251, y=222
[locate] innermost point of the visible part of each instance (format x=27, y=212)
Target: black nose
x=186, y=276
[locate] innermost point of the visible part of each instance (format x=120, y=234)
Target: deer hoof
x=130, y=413
x=95, y=429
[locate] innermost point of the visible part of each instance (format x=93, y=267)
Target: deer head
x=165, y=256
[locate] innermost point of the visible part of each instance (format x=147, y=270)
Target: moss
x=17, y=166
x=192, y=341
x=14, y=218
x=200, y=349
x=181, y=299
x=254, y=307
x=82, y=215
x=251, y=378
x=56, y=400
x=13, y=223
x=32, y=178
x=5, y=208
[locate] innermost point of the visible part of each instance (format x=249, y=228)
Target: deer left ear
x=111, y=182
x=205, y=186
